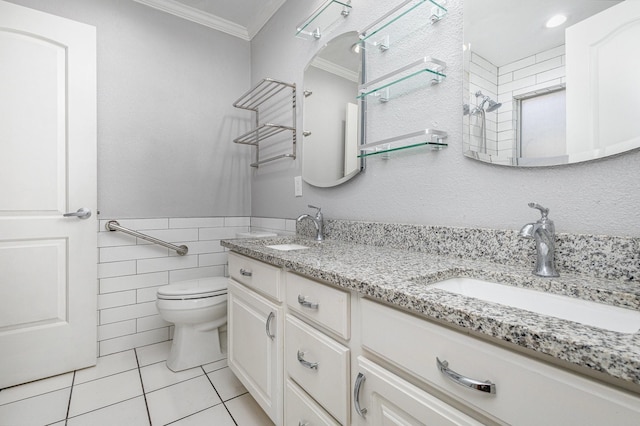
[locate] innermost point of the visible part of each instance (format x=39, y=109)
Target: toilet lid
x=194, y=289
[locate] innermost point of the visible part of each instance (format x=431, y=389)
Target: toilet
x=198, y=308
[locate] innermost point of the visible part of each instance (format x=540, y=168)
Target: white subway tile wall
x=535, y=73
x=527, y=75
x=130, y=270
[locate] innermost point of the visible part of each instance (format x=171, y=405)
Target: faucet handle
x=543, y=210
x=314, y=207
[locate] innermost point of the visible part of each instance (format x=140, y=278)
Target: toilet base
x=193, y=348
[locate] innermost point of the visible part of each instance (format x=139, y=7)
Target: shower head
x=493, y=105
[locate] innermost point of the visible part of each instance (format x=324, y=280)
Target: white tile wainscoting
x=130, y=270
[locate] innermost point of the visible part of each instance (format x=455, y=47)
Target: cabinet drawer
x=523, y=385
x=302, y=410
x=381, y=395
x=257, y=275
x=319, y=365
x=325, y=305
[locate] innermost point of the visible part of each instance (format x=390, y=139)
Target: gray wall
x=165, y=120
x=436, y=188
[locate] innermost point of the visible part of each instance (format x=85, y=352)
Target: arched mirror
x=541, y=93
x=332, y=116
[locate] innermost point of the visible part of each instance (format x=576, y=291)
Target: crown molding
x=336, y=69
x=263, y=17
x=194, y=15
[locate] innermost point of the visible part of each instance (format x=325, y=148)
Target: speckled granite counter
x=401, y=277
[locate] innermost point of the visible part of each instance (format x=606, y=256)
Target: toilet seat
x=194, y=289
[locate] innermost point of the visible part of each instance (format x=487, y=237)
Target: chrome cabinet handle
x=482, y=386
x=245, y=273
x=268, y=325
x=306, y=304
x=303, y=423
x=305, y=363
x=82, y=213
x=356, y=395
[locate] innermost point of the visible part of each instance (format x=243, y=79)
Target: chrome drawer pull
x=303, y=423
x=485, y=386
x=356, y=395
x=268, y=325
x=245, y=273
x=305, y=363
x=306, y=304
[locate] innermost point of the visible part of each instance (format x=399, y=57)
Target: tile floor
x=133, y=388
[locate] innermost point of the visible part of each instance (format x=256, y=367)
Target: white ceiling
x=240, y=18
x=502, y=31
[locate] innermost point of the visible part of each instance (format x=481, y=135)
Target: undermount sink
x=582, y=311
x=287, y=247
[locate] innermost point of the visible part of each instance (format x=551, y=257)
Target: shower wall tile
x=131, y=270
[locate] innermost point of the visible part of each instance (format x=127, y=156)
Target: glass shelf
x=373, y=34
x=432, y=68
x=323, y=19
x=427, y=137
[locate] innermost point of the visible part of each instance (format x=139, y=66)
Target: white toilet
x=197, y=308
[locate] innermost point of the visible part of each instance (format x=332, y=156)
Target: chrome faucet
x=318, y=221
x=544, y=232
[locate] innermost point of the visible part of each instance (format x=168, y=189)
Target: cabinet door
x=255, y=348
x=382, y=398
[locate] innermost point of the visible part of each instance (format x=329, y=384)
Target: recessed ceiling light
x=556, y=20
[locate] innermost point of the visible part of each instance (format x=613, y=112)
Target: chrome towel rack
x=113, y=225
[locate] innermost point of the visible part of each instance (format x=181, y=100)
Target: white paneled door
x=603, y=93
x=48, y=262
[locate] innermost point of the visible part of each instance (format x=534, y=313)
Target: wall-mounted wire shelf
x=323, y=19
x=428, y=137
x=374, y=34
x=255, y=99
x=431, y=67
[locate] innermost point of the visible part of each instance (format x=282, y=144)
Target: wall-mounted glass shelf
x=430, y=67
x=427, y=137
x=374, y=35
x=323, y=19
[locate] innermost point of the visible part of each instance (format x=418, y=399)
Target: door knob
x=82, y=213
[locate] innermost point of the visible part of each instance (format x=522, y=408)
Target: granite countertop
x=401, y=277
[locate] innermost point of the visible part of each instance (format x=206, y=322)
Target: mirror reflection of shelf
x=257, y=98
x=323, y=19
x=428, y=137
x=430, y=67
x=374, y=35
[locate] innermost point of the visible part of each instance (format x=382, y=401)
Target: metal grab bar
x=113, y=225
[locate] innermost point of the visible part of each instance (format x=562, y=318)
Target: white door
x=48, y=263
x=603, y=93
x=255, y=348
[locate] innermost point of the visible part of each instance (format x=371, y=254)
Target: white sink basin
x=287, y=247
x=583, y=311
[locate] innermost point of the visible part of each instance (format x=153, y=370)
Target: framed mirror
x=541, y=94
x=332, y=116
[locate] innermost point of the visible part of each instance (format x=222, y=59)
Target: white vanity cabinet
x=382, y=398
x=527, y=391
x=317, y=362
x=255, y=332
